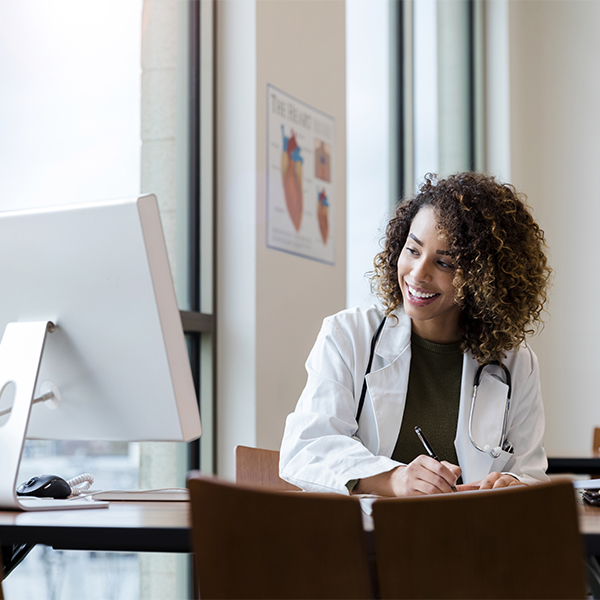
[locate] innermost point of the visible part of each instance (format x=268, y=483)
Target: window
x=108, y=100
x=415, y=105
x=441, y=88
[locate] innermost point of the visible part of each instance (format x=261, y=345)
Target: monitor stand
x=21, y=352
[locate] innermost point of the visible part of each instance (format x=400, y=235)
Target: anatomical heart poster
x=300, y=169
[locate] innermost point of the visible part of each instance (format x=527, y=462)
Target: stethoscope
x=503, y=443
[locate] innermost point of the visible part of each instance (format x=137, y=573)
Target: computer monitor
x=87, y=296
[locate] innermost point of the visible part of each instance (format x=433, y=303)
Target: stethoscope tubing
x=363, y=392
x=503, y=444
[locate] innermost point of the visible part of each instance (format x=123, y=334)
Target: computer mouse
x=45, y=486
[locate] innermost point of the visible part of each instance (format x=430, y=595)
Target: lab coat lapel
x=388, y=384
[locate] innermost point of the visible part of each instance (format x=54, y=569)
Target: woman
x=462, y=280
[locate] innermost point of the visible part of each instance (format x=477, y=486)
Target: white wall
x=555, y=153
x=542, y=134
x=270, y=303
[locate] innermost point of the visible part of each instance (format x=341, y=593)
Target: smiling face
x=425, y=274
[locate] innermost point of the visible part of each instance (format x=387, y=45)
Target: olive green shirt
x=432, y=401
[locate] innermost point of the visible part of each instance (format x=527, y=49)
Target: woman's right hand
x=424, y=475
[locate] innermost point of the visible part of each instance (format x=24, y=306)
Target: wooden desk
x=122, y=527
x=154, y=527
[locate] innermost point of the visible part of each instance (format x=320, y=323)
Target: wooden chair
x=519, y=542
x=261, y=543
x=259, y=467
x=596, y=442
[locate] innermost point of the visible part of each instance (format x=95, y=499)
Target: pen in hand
x=429, y=448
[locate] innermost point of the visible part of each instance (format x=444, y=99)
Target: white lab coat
x=322, y=449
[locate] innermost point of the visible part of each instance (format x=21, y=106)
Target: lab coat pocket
x=503, y=463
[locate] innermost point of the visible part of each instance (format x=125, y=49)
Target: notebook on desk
x=159, y=495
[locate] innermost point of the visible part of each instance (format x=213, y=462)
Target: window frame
x=199, y=326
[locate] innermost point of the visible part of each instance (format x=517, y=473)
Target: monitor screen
x=100, y=273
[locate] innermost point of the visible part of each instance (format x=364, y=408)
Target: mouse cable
x=81, y=483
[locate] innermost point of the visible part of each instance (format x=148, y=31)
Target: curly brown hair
x=501, y=274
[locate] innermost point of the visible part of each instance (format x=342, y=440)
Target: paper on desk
x=586, y=484
x=366, y=503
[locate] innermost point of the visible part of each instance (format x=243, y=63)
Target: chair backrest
x=259, y=467
x=518, y=542
x=596, y=442
x=262, y=543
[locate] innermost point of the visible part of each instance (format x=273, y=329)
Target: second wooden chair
x=518, y=542
x=259, y=467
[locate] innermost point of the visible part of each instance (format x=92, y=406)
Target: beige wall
x=543, y=129
x=270, y=303
x=555, y=153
